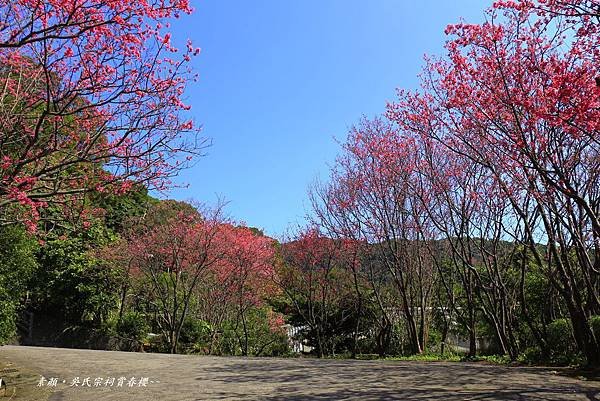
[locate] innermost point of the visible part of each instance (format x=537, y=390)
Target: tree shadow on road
x=368, y=380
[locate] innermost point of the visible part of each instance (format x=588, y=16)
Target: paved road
x=182, y=377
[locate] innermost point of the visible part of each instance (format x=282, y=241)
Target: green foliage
x=119, y=209
x=427, y=357
x=399, y=343
x=434, y=339
x=8, y=328
x=263, y=340
x=531, y=356
x=72, y=282
x=160, y=213
x=495, y=359
x=195, y=335
x=133, y=325
x=595, y=325
x=561, y=342
x=17, y=264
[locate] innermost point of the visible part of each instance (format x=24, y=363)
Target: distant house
x=297, y=344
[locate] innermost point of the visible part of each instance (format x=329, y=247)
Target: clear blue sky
x=280, y=79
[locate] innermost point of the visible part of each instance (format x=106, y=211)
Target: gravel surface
x=183, y=377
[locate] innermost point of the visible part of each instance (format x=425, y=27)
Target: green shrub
x=531, y=356
x=17, y=264
x=7, y=321
x=427, y=357
x=195, y=335
x=263, y=339
x=595, y=324
x=434, y=340
x=70, y=280
x=561, y=342
x=496, y=359
x=133, y=325
x=398, y=342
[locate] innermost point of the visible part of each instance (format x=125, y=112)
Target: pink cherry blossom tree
x=91, y=99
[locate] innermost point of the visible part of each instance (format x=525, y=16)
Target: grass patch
x=427, y=358
x=494, y=359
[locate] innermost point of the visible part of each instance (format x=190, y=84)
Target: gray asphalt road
x=180, y=377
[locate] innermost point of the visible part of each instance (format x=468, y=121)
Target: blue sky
x=281, y=79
